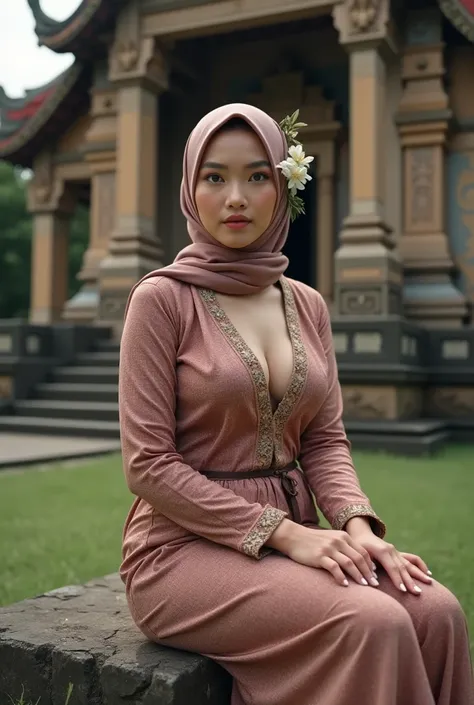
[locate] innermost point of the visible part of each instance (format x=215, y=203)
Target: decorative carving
x=355, y=302
x=112, y=305
x=363, y=14
x=6, y=387
x=361, y=20
x=136, y=57
x=364, y=403
x=422, y=184
x=453, y=401
x=45, y=197
x=43, y=177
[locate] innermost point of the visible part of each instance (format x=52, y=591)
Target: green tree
x=15, y=244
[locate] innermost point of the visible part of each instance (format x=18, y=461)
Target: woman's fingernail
x=402, y=587
x=374, y=567
x=346, y=583
x=418, y=589
x=429, y=572
x=374, y=582
x=364, y=581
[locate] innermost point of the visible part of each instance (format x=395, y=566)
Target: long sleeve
x=325, y=450
x=154, y=470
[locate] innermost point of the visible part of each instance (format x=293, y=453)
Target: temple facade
x=385, y=87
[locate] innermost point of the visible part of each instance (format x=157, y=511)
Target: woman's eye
x=259, y=176
x=214, y=178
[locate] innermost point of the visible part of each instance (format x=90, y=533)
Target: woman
x=227, y=377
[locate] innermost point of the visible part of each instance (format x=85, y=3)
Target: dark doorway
x=300, y=248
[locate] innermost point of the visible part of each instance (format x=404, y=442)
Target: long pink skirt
x=289, y=635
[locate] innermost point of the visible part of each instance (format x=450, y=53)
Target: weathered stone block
x=84, y=635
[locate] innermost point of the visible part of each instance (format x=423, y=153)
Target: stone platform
x=84, y=635
x=18, y=449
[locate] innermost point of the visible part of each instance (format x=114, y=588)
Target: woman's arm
x=325, y=451
x=154, y=470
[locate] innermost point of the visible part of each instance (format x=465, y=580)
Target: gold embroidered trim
x=265, y=446
x=261, y=532
x=299, y=374
x=359, y=510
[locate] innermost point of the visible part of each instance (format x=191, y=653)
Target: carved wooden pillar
x=100, y=153
x=367, y=267
x=430, y=295
x=52, y=203
x=138, y=69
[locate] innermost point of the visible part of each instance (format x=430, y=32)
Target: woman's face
x=235, y=189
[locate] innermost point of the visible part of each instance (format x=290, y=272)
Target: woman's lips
x=237, y=223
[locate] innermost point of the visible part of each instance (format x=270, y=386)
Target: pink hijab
x=207, y=263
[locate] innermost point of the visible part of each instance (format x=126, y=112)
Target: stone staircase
x=76, y=400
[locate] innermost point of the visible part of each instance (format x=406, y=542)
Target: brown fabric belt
x=289, y=484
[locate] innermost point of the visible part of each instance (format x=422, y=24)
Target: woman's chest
x=262, y=363
x=261, y=324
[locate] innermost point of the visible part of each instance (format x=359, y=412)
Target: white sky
x=22, y=63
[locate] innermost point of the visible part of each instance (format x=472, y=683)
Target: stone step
x=86, y=375
x=77, y=392
x=108, y=346
x=86, y=410
x=60, y=427
x=99, y=359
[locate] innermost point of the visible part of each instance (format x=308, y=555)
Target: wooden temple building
x=386, y=89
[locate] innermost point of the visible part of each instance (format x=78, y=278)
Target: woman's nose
x=236, y=197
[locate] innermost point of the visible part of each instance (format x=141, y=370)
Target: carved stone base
x=368, y=270
x=134, y=250
x=83, y=307
x=450, y=402
x=383, y=401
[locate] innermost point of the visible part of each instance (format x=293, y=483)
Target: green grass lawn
x=64, y=525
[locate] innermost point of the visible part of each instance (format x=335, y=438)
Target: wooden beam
x=214, y=18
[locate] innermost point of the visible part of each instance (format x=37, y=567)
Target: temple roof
x=80, y=32
x=28, y=123
x=461, y=14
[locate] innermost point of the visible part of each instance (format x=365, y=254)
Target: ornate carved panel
x=134, y=57
x=6, y=387
x=422, y=175
x=451, y=401
x=360, y=302
x=112, y=305
x=365, y=402
x=361, y=20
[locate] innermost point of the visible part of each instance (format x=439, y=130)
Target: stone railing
x=28, y=352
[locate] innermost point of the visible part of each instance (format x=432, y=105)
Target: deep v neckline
x=271, y=422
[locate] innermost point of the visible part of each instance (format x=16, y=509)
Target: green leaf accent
x=290, y=127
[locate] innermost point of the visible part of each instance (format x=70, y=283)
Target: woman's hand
x=334, y=551
x=402, y=568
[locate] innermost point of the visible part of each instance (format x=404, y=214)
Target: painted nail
x=364, y=581
x=402, y=587
x=374, y=582
x=429, y=572
x=418, y=589
x=346, y=583
x=374, y=567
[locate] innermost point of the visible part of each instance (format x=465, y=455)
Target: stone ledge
x=84, y=635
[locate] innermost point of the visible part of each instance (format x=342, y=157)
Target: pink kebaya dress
x=193, y=398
